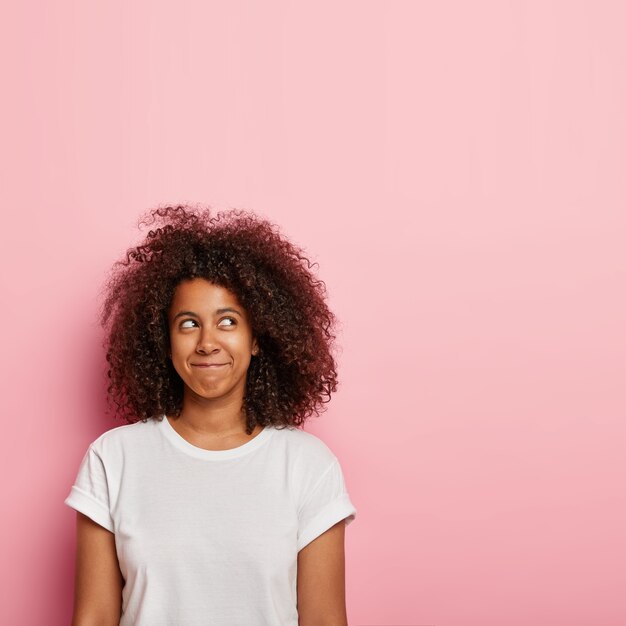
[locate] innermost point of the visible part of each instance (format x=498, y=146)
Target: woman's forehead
x=203, y=294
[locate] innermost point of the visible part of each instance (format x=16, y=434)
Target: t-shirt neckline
x=211, y=455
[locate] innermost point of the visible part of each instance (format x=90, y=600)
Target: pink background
x=457, y=169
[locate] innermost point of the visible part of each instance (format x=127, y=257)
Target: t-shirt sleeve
x=324, y=505
x=90, y=493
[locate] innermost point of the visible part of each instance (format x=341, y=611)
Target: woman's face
x=211, y=340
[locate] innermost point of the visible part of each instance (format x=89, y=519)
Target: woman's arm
x=98, y=582
x=321, y=580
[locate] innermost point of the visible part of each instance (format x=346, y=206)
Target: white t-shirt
x=210, y=536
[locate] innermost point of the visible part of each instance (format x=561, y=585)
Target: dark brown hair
x=294, y=373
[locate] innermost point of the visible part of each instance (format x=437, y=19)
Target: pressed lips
x=209, y=365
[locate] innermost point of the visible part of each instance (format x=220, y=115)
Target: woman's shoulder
x=120, y=437
x=305, y=446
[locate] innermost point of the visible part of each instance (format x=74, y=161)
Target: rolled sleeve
x=326, y=504
x=90, y=494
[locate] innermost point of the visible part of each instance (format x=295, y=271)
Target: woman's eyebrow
x=226, y=310
x=217, y=312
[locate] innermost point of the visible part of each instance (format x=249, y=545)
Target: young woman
x=211, y=505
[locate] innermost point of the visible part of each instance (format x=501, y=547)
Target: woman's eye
x=232, y=321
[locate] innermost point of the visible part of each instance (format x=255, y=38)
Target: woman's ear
x=255, y=347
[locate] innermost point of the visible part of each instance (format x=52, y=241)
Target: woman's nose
x=206, y=343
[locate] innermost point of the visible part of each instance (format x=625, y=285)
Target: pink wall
x=457, y=170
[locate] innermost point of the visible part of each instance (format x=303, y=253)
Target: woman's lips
x=212, y=366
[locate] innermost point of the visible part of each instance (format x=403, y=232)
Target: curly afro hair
x=294, y=373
